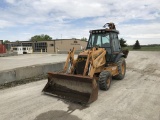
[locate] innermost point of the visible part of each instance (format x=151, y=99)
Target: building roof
x=41, y=41
x=67, y=39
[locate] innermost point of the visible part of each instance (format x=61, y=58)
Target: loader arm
x=95, y=59
x=71, y=60
x=87, y=63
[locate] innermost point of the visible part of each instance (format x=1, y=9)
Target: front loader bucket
x=75, y=88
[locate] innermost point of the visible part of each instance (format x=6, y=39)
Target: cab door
x=116, y=48
x=115, y=43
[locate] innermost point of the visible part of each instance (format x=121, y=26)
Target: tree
x=41, y=37
x=84, y=39
x=122, y=42
x=137, y=45
x=17, y=41
x=74, y=38
x=6, y=41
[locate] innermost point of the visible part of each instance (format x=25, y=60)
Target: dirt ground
x=137, y=97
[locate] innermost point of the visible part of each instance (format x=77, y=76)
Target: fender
x=125, y=52
x=118, y=57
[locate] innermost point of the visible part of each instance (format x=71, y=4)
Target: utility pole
x=61, y=38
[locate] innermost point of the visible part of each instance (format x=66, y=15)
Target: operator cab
x=105, y=38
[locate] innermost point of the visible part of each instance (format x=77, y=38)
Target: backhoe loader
x=94, y=68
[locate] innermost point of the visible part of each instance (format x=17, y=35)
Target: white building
x=27, y=50
x=22, y=50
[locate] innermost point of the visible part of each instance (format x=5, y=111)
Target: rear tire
x=105, y=79
x=121, y=69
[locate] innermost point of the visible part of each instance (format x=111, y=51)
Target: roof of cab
x=103, y=30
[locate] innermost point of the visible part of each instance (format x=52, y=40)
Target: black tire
x=105, y=79
x=121, y=69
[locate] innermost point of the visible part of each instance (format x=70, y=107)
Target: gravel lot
x=137, y=97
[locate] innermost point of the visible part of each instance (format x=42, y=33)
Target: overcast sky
x=135, y=19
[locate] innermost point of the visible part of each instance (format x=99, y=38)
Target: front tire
x=105, y=79
x=121, y=69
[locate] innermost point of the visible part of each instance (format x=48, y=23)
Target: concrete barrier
x=29, y=72
x=8, y=54
x=66, y=52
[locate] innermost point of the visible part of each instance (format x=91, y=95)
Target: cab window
x=99, y=40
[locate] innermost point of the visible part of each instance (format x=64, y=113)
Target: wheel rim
x=123, y=68
x=108, y=81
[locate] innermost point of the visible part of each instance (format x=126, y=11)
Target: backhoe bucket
x=75, y=88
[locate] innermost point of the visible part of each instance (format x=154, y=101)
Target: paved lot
x=137, y=97
x=29, y=59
